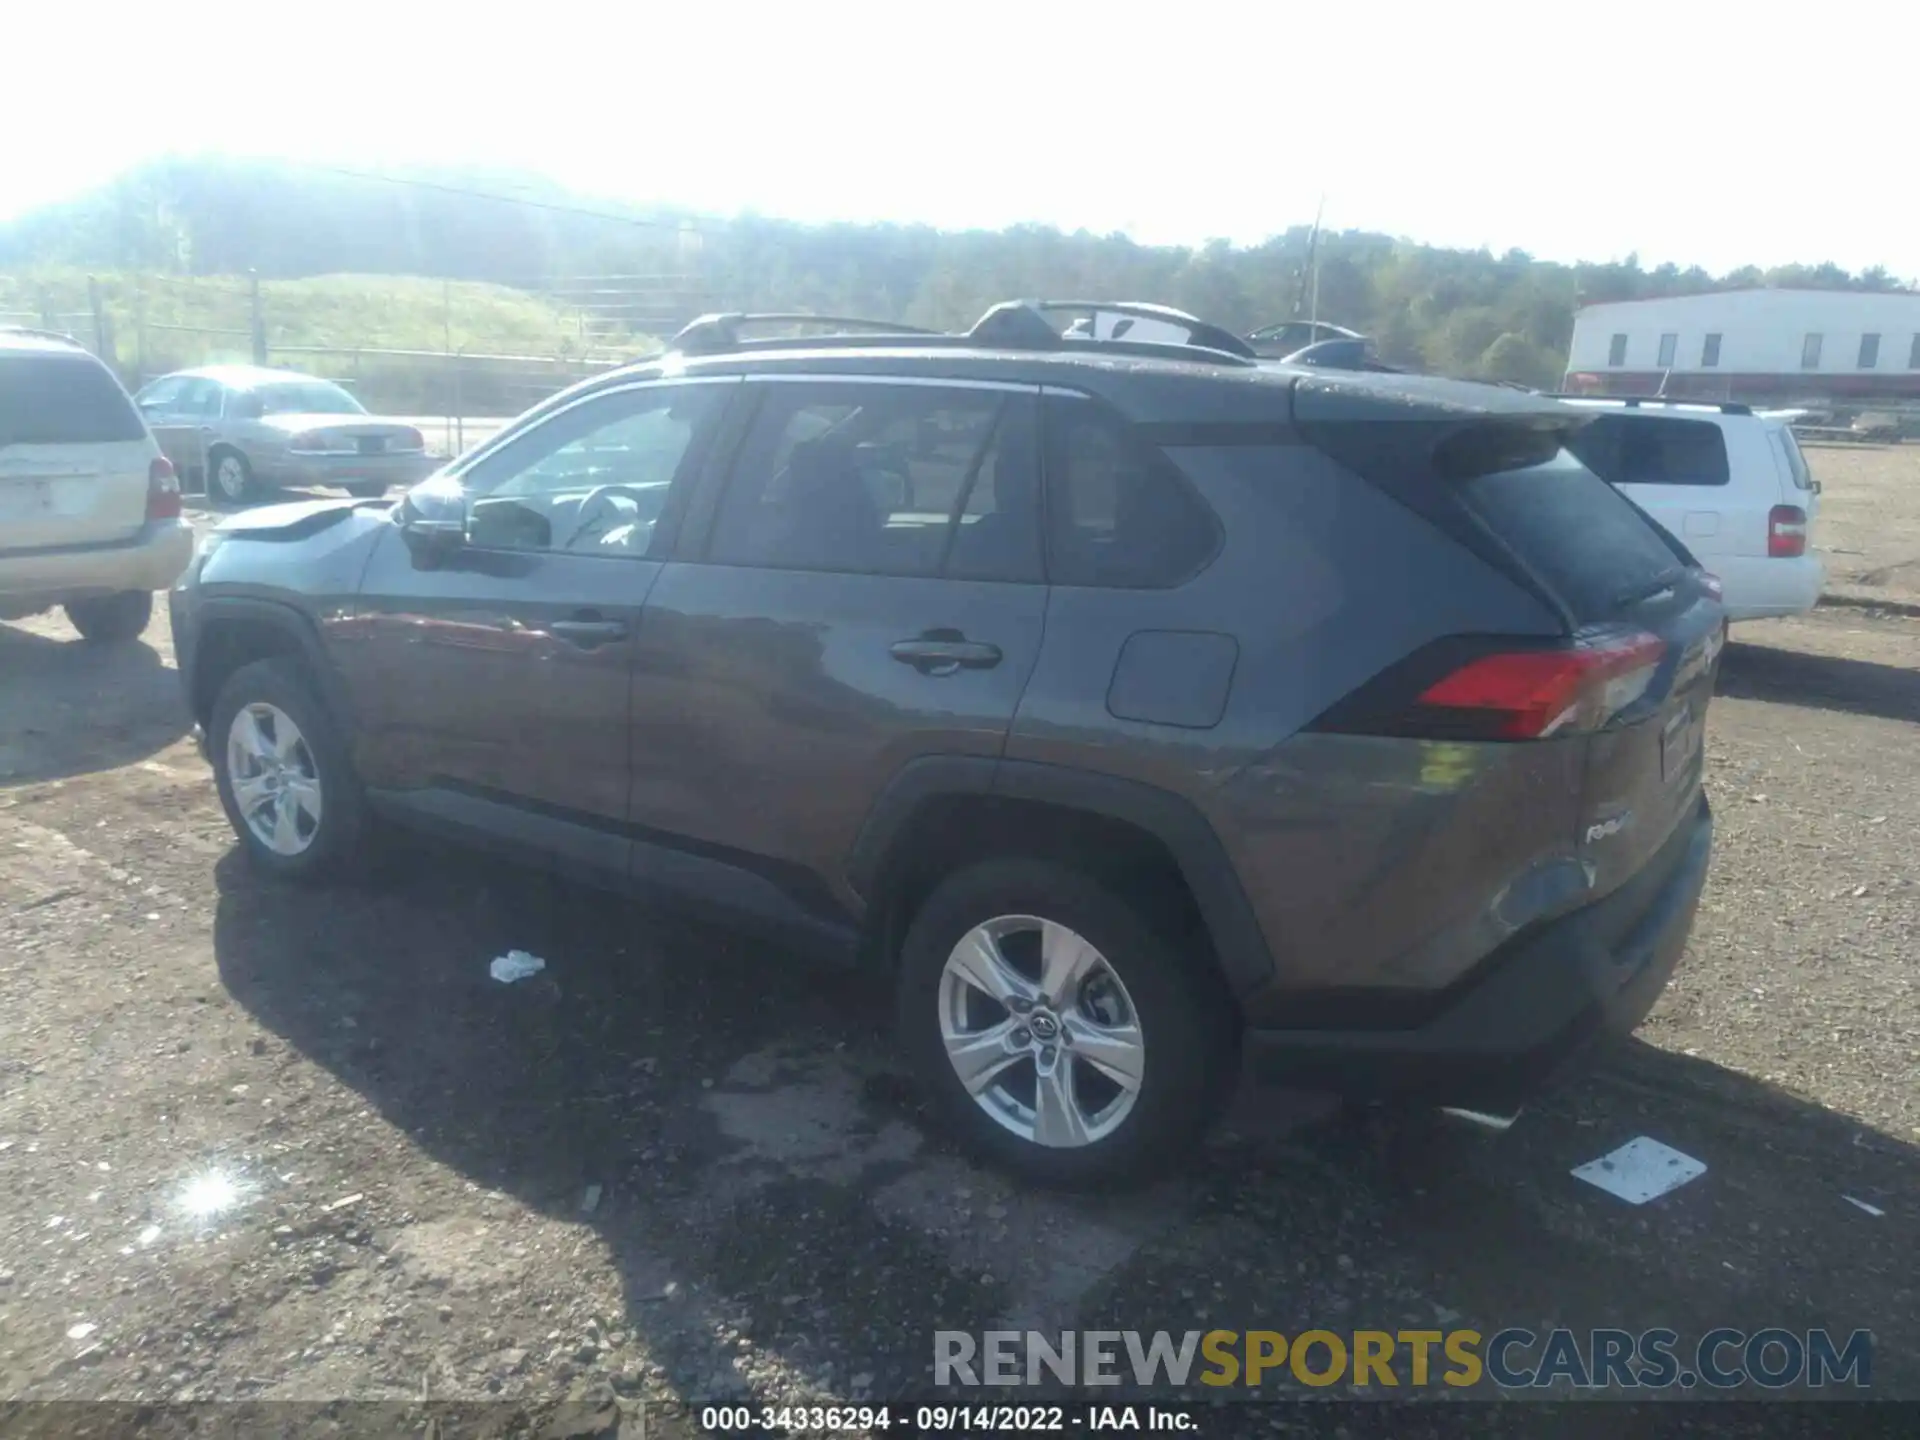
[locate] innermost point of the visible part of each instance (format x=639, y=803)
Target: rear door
x=861, y=587
x=74, y=453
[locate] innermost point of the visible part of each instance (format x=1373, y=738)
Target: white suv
x=89, y=508
x=1729, y=483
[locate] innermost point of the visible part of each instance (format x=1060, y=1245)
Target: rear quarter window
x=1119, y=513
x=1652, y=450
x=1796, y=459
x=63, y=399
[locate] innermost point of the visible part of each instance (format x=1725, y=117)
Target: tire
x=336, y=840
x=230, y=478
x=111, y=619
x=368, y=490
x=1180, y=1011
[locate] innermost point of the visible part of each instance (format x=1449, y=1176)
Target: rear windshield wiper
x=1663, y=581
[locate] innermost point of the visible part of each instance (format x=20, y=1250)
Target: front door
x=491, y=682
x=864, y=588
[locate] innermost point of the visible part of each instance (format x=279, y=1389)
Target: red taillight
x=163, y=491
x=315, y=442
x=411, y=440
x=1531, y=694
x=1786, y=532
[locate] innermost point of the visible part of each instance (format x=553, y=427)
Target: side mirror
x=433, y=517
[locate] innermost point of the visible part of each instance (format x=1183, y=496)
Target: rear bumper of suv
x=1759, y=587
x=152, y=559
x=1525, y=1015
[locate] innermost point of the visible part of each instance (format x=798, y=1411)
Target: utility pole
x=1313, y=257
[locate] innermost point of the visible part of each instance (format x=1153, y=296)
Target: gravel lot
x=678, y=1166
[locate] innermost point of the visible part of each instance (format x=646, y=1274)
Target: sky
x=1692, y=132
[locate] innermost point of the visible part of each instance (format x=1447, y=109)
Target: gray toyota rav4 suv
x=1138, y=712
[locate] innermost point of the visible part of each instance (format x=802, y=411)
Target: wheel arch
x=233, y=631
x=936, y=805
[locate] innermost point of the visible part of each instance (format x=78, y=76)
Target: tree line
x=1462, y=312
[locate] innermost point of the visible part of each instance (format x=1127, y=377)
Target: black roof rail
x=720, y=333
x=1634, y=402
x=1023, y=325
x=1200, y=333
x=1011, y=325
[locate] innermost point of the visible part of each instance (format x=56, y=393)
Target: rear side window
x=1590, y=545
x=1119, y=513
x=876, y=479
x=1652, y=450
x=63, y=400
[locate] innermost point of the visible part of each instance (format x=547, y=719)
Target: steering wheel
x=597, y=510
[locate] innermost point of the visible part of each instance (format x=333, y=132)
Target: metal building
x=1788, y=347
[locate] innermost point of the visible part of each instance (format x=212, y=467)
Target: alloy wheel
x=275, y=782
x=1041, y=1031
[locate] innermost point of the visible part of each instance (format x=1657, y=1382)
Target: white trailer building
x=1769, y=346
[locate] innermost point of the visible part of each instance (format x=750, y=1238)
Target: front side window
x=1669, y=343
x=160, y=394
x=592, y=479
x=1119, y=514
x=880, y=479
x=199, y=399
x=1617, y=351
x=1810, y=353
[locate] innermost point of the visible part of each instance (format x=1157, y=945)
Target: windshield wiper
x=1664, y=581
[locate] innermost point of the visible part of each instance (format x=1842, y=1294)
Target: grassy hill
x=326, y=324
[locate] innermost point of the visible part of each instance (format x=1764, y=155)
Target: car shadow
x=727, y=1118
x=70, y=708
x=1825, y=682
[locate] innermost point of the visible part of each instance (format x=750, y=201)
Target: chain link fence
x=480, y=353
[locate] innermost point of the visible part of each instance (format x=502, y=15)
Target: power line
x=471, y=194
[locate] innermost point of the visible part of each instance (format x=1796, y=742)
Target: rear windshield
x=63, y=400
x=306, y=397
x=1652, y=450
x=1591, y=546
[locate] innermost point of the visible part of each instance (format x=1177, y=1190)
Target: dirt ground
x=259, y=1143
x=1869, y=524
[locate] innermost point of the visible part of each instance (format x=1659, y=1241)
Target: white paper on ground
x=1641, y=1170
x=1873, y=1210
x=515, y=965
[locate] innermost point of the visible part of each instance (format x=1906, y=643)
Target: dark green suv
x=1132, y=708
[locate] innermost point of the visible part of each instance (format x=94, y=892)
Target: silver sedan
x=249, y=430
